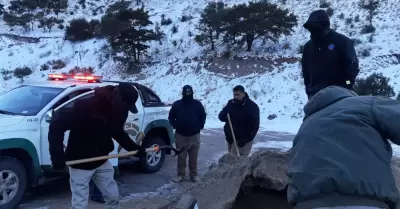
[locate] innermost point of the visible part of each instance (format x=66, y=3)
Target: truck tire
x=16, y=172
x=153, y=161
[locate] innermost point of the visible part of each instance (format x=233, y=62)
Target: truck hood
x=10, y=120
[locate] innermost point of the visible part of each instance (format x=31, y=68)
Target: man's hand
x=141, y=152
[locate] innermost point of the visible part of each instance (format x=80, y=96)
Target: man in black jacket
x=93, y=123
x=329, y=58
x=187, y=116
x=245, y=118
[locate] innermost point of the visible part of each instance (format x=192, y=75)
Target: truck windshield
x=27, y=100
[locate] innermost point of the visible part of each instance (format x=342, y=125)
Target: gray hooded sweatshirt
x=341, y=155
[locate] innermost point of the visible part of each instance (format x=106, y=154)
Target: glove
x=141, y=152
x=60, y=165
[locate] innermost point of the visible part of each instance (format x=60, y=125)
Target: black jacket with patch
x=187, y=116
x=92, y=124
x=245, y=118
x=329, y=60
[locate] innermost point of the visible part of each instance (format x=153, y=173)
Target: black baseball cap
x=129, y=95
x=187, y=90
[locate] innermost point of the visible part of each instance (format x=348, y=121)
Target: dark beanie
x=317, y=17
x=129, y=95
x=187, y=90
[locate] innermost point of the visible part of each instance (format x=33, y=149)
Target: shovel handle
x=127, y=154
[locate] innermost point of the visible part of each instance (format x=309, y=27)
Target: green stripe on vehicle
x=161, y=123
x=27, y=146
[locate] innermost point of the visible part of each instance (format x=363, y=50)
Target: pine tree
x=210, y=24
x=246, y=23
x=126, y=31
x=371, y=6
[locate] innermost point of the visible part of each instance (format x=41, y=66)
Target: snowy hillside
x=270, y=73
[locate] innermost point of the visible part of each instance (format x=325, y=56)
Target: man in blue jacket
x=187, y=116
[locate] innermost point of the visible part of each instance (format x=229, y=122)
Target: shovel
x=234, y=144
x=127, y=154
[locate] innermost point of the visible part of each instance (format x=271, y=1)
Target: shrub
x=44, y=67
x=330, y=12
x=368, y=29
x=185, y=18
x=365, y=53
x=301, y=49
x=21, y=72
x=324, y=4
x=165, y=21
x=57, y=64
x=341, y=16
x=348, y=21
x=356, y=41
x=81, y=30
x=6, y=74
x=374, y=85
x=174, y=29
x=357, y=18
x=82, y=70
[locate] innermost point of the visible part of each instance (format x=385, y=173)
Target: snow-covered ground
x=279, y=92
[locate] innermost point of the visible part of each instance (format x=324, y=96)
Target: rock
x=220, y=186
x=271, y=117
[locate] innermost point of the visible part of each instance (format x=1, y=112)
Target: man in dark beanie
x=245, y=117
x=94, y=122
x=329, y=58
x=187, y=116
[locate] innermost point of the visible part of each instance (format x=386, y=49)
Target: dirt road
x=134, y=184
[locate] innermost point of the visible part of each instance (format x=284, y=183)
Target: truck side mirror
x=48, y=116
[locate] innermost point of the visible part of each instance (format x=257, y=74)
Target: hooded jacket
x=187, y=116
x=245, y=118
x=93, y=123
x=341, y=155
x=329, y=58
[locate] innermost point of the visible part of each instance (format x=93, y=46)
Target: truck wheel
x=13, y=182
x=154, y=160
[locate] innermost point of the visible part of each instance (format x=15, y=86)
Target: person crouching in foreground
x=188, y=117
x=93, y=122
x=245, y=118
x=341, y=155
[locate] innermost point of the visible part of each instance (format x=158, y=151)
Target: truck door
x=65, y=106
x=134, y=123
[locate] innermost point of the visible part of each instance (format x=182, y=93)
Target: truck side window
x=69, y=106
x=70, y=96
x=151, y=96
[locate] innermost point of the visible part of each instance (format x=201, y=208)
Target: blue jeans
x=94, y=191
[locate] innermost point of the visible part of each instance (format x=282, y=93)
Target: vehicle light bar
x=58, y=76
x=88, y=78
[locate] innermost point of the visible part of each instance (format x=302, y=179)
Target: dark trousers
x=190, y=146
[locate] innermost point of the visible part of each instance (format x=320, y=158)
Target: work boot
x=178, y=179
x=194, y=179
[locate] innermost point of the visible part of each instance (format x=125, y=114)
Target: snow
x=279, y=91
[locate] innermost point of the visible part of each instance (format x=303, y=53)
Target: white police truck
x=25, y=113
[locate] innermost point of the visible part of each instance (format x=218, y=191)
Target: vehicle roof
x=67, y=83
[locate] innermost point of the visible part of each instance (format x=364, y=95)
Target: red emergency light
x=87, y=78
x=58, y=76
